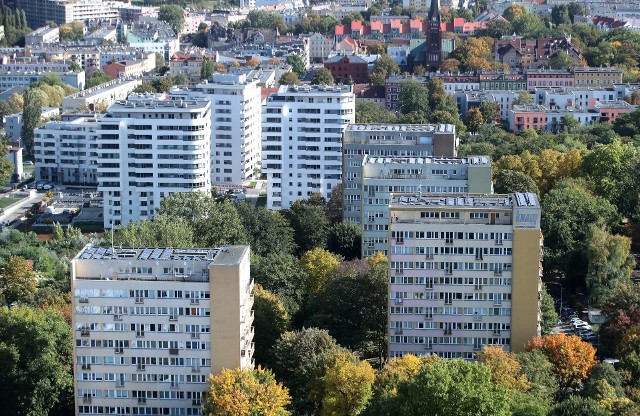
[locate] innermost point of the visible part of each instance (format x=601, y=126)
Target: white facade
x=165, y=47
x=319, y=47
x=236, y=137
x=9, y=79
x=149, y=326
x=302, y=130
x=106, y=94
x=43, y=35
x=148, y=149
x=13, y=122
x=66, y=151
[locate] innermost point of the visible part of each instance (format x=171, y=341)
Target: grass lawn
x=5, y=202
x=252, y=184
x=29, y=167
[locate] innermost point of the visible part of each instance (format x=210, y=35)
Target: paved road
x=254, y=193
x=13, y=212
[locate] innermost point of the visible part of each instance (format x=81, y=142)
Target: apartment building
x=236, y=115
x=10, y=79
x=104, y=94
x=148, y=149
x=131, y=68
x=151, y=324
x=13, y=122
x=464, y=273
x=66, y=152
x=597, y=77
x=383, y=176
x=66, y=11
x=302, y=130
x=43, y=35
x=319, y=47
x=387, y=141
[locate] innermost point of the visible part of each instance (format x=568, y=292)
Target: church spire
x=434, y=11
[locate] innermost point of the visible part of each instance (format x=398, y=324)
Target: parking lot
x=570, y=323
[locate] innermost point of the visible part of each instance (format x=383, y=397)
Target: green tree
x=353, y=306
x=163, y=231
x=506, y=181
x=368, y=112
x=207, y=69
x=344, y=240
x=31, y=115
x=97, y=78
x=346, y=385
x=246, y=393
x=608, y=373
x=548, y=310
x=498, y=28
x=18, y=281
x=449, y=387
x=289, y=78
x=567, y=211
x=524, y=98
x=569, y=123
x=296, y=361
x=383, y=67
x=609, y=263
x=474, y=120
x=282, y=275
x=37, y=362
x=270, y=322
x=297, y=65
x=322, y=77
x=561, y=60
x=578, y=406
x=214, y=224
x=6, y=167
x=540, y=375
x=173, y=15
x=318, y=264
x=560, y=15
x=413, y=98
x=310, y=225
x=490, y=111
x=267, y=231
x=529, y=25
x=266, y=20
x=377, y=48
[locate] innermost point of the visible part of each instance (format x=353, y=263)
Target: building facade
x=66, y=152
x=43, y=35
x=464, y=273
x=236, y=137
x=302, y=130
x=151, y=324
x=103, y=94
x=149, y=149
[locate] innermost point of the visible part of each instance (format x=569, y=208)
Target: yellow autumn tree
x=246, y=393
x=397, y=370
x=317, y=264
x=572, y=358
x=346, y=385
x=505, y=368
x=17, y=280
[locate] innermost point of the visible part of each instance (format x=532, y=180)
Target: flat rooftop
x=154, y=103
x=307, y=89
x=408, y=128
x=468, y=201
x=165, y=254
x=470, y=160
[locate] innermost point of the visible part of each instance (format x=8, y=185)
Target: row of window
x=147, y=310
x=450, y=280
x=151, y=411
x=476, y=342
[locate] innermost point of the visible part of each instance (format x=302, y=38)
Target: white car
x=583, y=325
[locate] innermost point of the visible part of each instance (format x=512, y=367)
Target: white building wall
x=302, y=141
x=148, y=150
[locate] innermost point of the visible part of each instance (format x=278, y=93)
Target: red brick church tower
x=433, y=51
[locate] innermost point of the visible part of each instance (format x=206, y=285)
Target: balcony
x=173, y=351
x=86, y=366
x=85, y=333
x=398, y=301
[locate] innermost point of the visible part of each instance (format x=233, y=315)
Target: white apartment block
x=9, y=79
x=381, y=177
x=67, y=151
x=105, y=94
x=66, y=11
x=13, y=122
x=151, y=324
x=43, y=35
x=236, y=115
x=464, y=273
x=302, y=130
x=319, y=47
x=148, y=149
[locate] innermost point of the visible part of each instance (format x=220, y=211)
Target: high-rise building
x=236, y=115
x=302, y=130
x=148, y=149
x=433, y=52
x=66, y=11
x=464, y=273
x=380, y=177
x=66, y=151
x=151, y=324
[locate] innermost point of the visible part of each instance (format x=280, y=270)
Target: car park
x=590, y=337
x=39, y=187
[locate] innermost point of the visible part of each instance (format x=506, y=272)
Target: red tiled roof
x=265, y=92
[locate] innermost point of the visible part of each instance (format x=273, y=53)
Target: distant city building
x=319, y=47
x=66, y=11
x=149, y=149
x=236, y=115
x=597, y=77
x=131, y=68
x=302, y=130
x=518, y=52
x=10, y=79
x=151, y=324
x=464, y=273
x=348, y=68
x=103, y=94
x=43, y=35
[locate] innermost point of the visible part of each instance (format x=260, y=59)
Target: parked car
x=47, y=187
x=582, y=326
x=590, y=337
